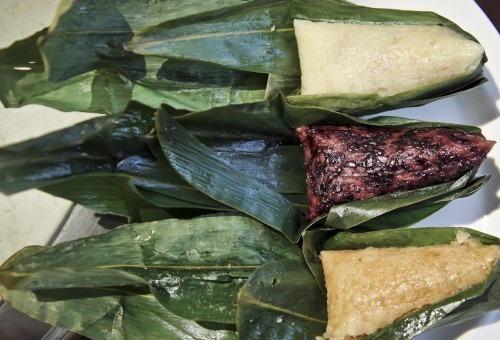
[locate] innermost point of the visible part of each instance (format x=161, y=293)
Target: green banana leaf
x=392, y=206
x=281, y=300
x=359, y=105
x=257, y=36
x=137, y=173
x=405, y=216
x=99, y=30
x=93, y=159
x=201, y=167
x=104, y=296
x=112, y=314
x=109, y=153
x=192, y=56
x=41, y=69
x=463, y=306
x=345, y=11
x=24, y=81
x=297, y=116
x=116, y=194
x=180, y=263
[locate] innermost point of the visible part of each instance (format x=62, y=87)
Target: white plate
x=32, y=218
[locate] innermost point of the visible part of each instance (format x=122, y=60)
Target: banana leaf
x=297, y=116
x=104, y=313
x=116, y=194
x=257, y=36
x=408, y=215
x=41, y=69
x=97, y=31
x=112, y=314
x=281, y=300
x=199, y=166
x=24, y=81
x=178, y=263
x=112, y=154
x=392, y=206
x=463, y=306
x=110, y=158
x=359, y=105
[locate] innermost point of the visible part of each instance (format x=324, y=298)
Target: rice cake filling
x=346, y=163
x=340, y=58
x=371, y=288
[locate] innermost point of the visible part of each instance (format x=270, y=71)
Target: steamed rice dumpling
x=371, y=288
x=345, y=58
x=347, y=163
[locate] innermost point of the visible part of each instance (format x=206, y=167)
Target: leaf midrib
x=155, y=41
x=249, y=299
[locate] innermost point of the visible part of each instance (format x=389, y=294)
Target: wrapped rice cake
x=346, y=163
x=349, y=58
x=371, y=288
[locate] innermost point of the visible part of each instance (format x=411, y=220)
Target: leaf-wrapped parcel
x=172, y=279
x=261, y=37
x=283, y=293
x=195, y=55
x=162, y=279
x=79, y=64
x=150, y=165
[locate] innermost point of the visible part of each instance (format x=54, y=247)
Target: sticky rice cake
x=340, y=58
x=371, y=288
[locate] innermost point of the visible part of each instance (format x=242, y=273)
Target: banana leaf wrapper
x=284, y=293
x=192, y=55
x=78, y=64
x=149, y=165
x=136, y=291
x=164, y=278
x=259, y=37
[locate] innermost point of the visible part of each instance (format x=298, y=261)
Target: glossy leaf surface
x=79, y=64
x=281, y=301
x=256, y=36
x=181, y=262
x=199, y=166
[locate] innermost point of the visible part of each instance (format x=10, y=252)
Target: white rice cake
x=339, y=58
x=371, y=288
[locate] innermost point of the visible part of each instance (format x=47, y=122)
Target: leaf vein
x=264, y=305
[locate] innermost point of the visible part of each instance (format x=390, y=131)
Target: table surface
x=492, y=9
